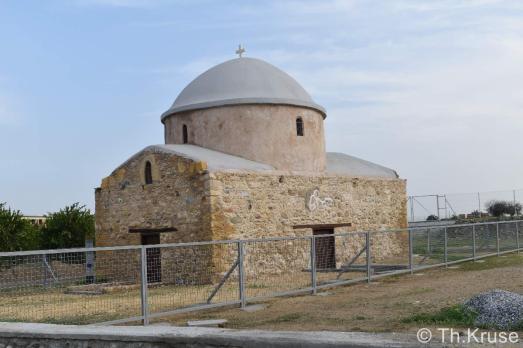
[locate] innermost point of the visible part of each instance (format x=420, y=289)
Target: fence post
x=412, y=209
x=437, y=205
x=44, y=269
x=474, y=242
x=411, y=262
x=497, y=237
x=143, y=288
x=367, y=252
x=479, y=204
x=517, y=235
x=241, y=274
x=446, y=249
x=89, y=263
x=428, y=242
x=514, y=202
x=313, y=265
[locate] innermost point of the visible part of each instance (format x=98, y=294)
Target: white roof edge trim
x=216, y=160
x=244, y=101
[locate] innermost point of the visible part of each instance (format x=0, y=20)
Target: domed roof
x=242, y=81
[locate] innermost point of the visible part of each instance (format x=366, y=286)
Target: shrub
x=68, y=228
x=456, y=315
x=500, y=208
x=475, y=214
x=513, y=209
x=16, y=233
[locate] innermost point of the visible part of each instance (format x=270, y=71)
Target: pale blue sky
x=432, y=89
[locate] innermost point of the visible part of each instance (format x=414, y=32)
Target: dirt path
x=379, y=306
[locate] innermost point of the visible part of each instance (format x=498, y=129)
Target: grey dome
x=242, y=81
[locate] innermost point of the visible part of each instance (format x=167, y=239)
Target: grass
x=457, y=316
x=54, y=305
x=493, y=262
x=418, y=291
x=288, y=318
x=399, y=303
x=257, y=286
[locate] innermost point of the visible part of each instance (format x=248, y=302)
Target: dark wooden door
x=154, y=259
x=325, y=249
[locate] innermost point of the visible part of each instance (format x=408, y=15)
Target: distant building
x=36, y=219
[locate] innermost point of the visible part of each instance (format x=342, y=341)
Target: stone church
x=244, y=157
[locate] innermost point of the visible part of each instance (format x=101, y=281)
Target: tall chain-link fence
x=461, y=205
x=139, y=283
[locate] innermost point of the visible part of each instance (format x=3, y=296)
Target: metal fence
x=139, y=283
x=445, y=206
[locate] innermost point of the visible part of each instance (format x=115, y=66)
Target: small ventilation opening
x=185, y=135
x=299, y=126
x=148, y=173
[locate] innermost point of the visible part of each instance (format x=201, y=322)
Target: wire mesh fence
x=389, y=252
x=277, y=267
x=339, y=259
x=191, y=275
x=138, y=283
x=61, y=287
x=486, y=239
x=460, y=205
x=428, y=246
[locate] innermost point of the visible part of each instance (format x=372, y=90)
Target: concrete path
x=47, y=335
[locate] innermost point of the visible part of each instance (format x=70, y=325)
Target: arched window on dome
x=299, y=126
x=185, y=134
x=148, y=173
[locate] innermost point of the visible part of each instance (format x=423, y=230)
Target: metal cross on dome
x=240, y=50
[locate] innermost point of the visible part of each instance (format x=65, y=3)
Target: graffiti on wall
x=314, y=201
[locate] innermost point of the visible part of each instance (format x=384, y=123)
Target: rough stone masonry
x=207, y=204
x=244, y=158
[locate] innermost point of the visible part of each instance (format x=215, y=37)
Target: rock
x=498, y=309
x=253, y=308
x=323, y=293
x=236, y=220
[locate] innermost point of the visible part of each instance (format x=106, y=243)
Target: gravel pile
x=497, y=309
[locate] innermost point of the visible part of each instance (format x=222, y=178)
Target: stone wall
x=255, y=205
x=251, y=205
x=230, y=205
x=262, y=133
x=176, y=198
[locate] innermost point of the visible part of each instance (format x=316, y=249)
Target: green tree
x=497, y=208
x=514, y=208
x=432, y=218
x=68, y=228
x=16, y=233
x=500, y=208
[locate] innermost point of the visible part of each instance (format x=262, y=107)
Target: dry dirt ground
x=379, y=306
